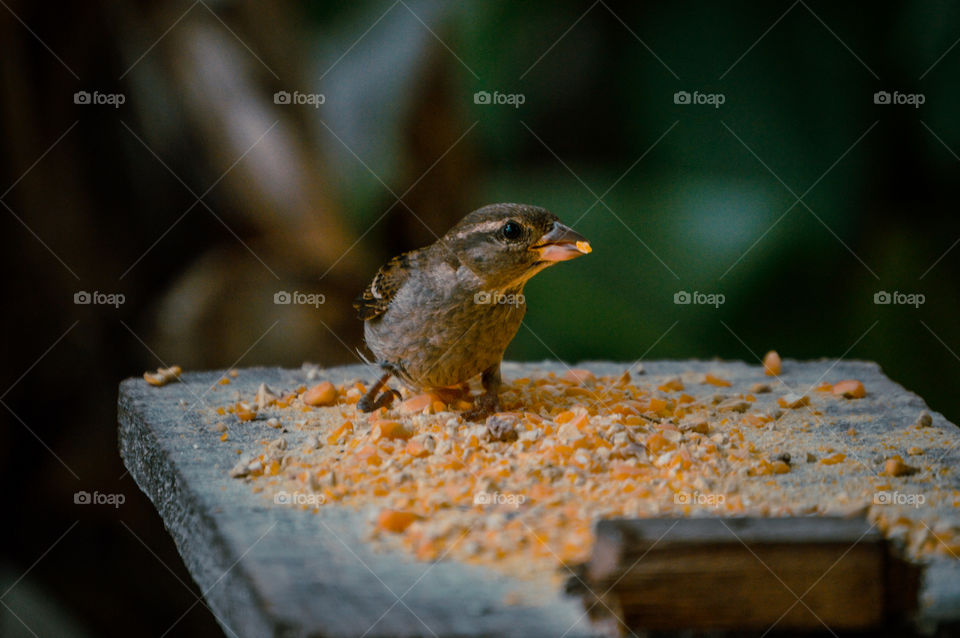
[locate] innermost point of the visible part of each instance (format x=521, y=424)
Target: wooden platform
x=278, y=571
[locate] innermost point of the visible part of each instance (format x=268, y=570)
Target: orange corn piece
x=345, y=427
x=418, y=403
x=756, y=420
x=717, y=381
x=368, y=454
x=416, y=449
x=245, y=412
x=896, y=467
x=322, y=394
x=839, y=457
x=793, y=401
x=395, y=521
x=657, y=443
x=390, y=430
x=673, y=385
x=772, y=364
x=780, y=467
x=656, y=405
x=580, y=421
x=850, y=389
x=580, y=376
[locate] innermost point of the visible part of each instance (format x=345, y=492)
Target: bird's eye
x=511, y=231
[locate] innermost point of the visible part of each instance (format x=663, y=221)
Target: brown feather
x=376, y=297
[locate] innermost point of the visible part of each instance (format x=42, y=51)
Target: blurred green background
x=674, y=197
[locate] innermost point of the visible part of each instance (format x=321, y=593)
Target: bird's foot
x=484, y=406
x=368, y=403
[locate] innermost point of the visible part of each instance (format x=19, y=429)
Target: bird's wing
x=376, y=297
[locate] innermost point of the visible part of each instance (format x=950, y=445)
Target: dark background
x=97, y=198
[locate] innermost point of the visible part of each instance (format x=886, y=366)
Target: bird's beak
x=561, y=243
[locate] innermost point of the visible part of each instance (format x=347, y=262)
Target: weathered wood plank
x=280, y=571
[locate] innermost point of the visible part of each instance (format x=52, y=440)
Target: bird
x=438, y=316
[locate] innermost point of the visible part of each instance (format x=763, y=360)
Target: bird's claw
x=369, y=404
x=484, y=406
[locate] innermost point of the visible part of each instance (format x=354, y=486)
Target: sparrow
x=438, y=316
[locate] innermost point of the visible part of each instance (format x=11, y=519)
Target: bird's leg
x=371, y=401
x=488, y=402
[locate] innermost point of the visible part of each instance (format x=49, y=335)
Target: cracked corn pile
x=523, y=490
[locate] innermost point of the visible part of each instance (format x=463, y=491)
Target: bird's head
x=507, y=244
